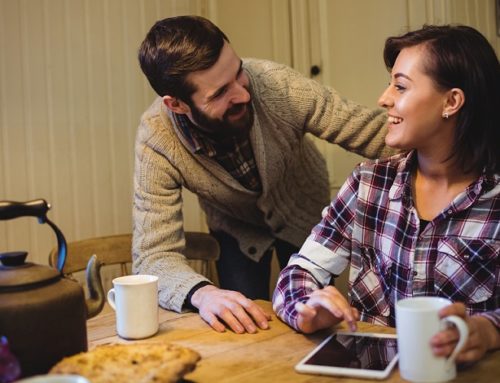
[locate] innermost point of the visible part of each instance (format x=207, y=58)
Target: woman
x=425, y=222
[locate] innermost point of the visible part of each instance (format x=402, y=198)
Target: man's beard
x=222, y=129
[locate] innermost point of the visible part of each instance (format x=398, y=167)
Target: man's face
x=221, y=106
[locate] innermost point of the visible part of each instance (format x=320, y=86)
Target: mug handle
x=463, y=330
x=111, y=299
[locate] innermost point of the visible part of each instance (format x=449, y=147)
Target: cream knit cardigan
x=293, y=174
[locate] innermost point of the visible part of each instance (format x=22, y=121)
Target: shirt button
x=252, y=250
x=415, y=273
x=466, y=257
x=450, y=211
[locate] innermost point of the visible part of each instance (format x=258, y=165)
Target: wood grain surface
x=268, y=356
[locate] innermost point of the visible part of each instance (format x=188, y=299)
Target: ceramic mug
x=54, y=379
x=417, y=321
x=135, y=300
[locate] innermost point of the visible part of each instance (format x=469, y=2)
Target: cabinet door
x=344, y=39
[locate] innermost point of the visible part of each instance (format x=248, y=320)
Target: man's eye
x=219, y=93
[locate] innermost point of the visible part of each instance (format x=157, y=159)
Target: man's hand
x=325, y=307
x=483, y=336
x=238, y=312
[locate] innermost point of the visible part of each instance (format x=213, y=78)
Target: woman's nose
x=384, y=99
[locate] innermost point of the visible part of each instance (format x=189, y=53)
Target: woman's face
x=415, y=105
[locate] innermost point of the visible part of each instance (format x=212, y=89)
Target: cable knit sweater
x=293, y=174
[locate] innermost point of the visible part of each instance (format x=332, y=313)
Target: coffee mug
x=417, y=321
x=54, y=379
x=135, y=300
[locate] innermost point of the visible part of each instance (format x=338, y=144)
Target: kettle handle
x=36, y=208
x=11, y=209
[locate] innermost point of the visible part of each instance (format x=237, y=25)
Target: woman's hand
x=483, y=336
x=325, y=307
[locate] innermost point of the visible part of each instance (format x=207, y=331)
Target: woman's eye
x=399, y=88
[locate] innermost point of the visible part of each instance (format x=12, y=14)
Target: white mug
x=54, y=378
x=135, y=300
x=417, y=321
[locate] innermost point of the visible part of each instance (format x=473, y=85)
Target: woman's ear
x=454, y=101
x=176, y=105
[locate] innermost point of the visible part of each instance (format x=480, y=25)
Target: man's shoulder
x=155, y=124
x=267, y=70
x=254, y=64
x=154, y=110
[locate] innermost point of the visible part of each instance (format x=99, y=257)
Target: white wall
x=71, y=95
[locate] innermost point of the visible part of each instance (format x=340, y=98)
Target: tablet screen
x=355, y=351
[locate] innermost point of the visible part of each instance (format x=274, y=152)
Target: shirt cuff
x=493, y=317
x=187, y=302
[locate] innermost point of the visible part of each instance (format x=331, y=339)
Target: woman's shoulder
x=389, y=165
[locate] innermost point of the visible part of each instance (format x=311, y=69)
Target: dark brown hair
x=175, y=47
x=461, y=57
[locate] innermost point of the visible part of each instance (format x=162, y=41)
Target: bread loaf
x=137, y=362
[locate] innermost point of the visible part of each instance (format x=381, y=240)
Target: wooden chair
x=114, y=253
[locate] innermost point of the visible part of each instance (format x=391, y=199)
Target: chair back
x=114, y=252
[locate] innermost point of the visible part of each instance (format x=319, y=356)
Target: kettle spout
x=94, y=283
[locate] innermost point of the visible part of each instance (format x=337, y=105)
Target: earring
x=445, y=115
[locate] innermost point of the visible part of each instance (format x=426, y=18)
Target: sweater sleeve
x=320, y=110
x=158, y=235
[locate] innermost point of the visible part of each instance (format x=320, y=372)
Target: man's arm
x=159, y=241
x=310, y=107
x=158, y=236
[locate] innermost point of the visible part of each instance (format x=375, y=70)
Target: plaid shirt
x=237, y=157
x=373, y=226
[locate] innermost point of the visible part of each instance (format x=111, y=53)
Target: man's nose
x=241, y=95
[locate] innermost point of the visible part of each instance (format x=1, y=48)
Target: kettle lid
x=15, y=272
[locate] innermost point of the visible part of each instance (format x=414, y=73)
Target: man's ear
x=454, y=101
x=176, y=105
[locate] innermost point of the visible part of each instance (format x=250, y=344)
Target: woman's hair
x=175, y=47
x=461, y=57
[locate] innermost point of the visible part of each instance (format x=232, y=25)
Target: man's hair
x=461, y=57
x=175, y=47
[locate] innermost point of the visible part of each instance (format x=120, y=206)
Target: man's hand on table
x=326, y=307
x=238, y=312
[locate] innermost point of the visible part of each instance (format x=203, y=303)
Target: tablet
x=361, y=355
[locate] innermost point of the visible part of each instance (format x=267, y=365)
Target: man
x=232, y=132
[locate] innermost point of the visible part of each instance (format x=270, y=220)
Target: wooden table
x=268, y=356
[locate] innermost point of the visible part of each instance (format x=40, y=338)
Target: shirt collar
x=401, y=187
x=197, y=142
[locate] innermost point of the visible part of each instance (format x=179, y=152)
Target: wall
x=71, y=92
x=350, y=54
x=71, y=95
